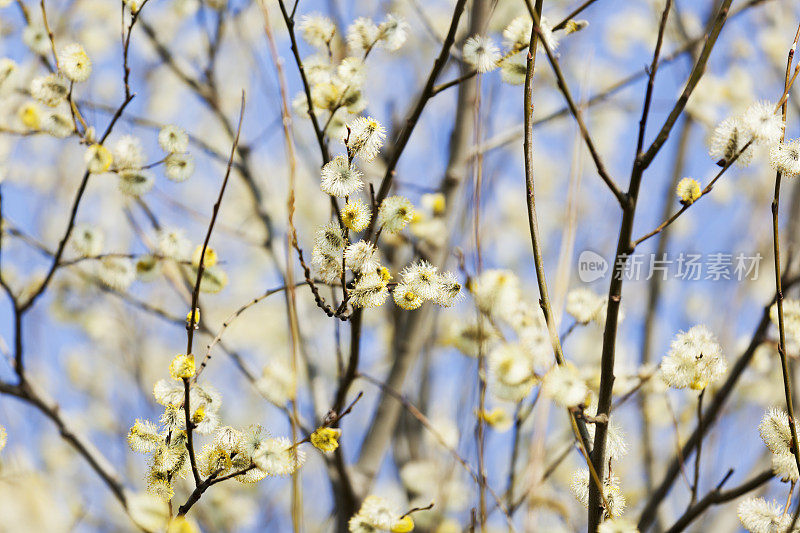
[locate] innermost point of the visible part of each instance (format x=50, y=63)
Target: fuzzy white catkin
x=730, y=139
x=361, y=257
x=694, y=360
x=762, y=122
x=340, y=178
x=564, y=386
x=277, y=457
x=785, y=158
x=481, y=53
x=173, y=139
x=366, y=137
x=760, y=516
x=75, y=63
x=179, y=166
x=511, y=372
x=423, y=278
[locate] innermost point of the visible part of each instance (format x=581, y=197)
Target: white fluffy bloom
x=277, y=382
x=470, y=338
x=497, y=292
x=481, y=53
x=580, y=489
x=317, y=30
x=50, y=90
x=449, y=290
x=8, y=70
x=179, y=166
x=517, y=35
x=352, y=72
x=173, y=139
x=362, y=35
x=318, y=69
x=762, y=122
x=616, y=445
x=395, y=213
x=228, y=438
x=393, y=32
x=422, y=278
x=148, y=511
x=329, y=267
x=369, y=291
x=173, y=243
x=117, y=272
x=87, y=240
x=511, y=372
x=376, y=514
x=564, y=385
x=729, y=138
x=277, y=457
x=35, y=38
x=328, y=95
x=58, y=125
x=514, y=68
x=74, y=63
x=785, y=158
x=531, y=329
x=135, y=182
x=784, y=466
x=361, y=257
x=168, y=392
x=340, y=178
x=128, y=153
x=777, y=435
x=366, y=137
x=694, y=360
x=791, y=323
x=760, y=516
x=547, y=34
x=144, y=437
x=584, y=305
x=329, y=239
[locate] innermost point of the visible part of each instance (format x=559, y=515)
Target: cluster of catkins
x=251, y=452
x=334, y=253
x=53, y=110
x=758, y=514
x=119, y=271
x=513, y=336
x=485, y=56
x=736, y=139
x=336, y=89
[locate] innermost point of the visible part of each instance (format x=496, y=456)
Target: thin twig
x=195, y=296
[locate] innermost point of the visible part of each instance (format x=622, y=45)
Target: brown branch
x=595, y=511
x=195, y=295
x=711, y=414
x=533, y=225
x=26, y=392
x=646, y=158
x=776, y=247
x=400, y=143
x=576, y=113
x=718, y=496
x=664, y=225
x=428, y=425
x=318, y=132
